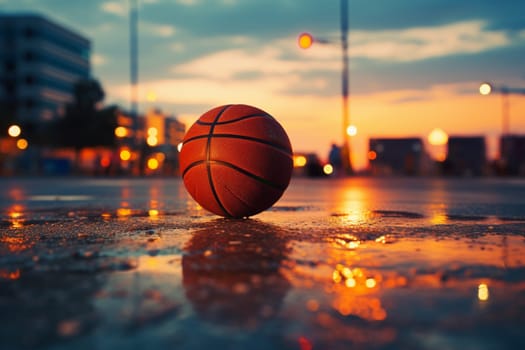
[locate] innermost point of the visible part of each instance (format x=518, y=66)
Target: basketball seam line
x=242, y=137
x=235, y=167
x=236, y=120
x=208, y=165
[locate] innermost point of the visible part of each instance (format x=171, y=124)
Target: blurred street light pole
x=345, y=75
x=505, y=91
x=305, y=41
x=133, y=46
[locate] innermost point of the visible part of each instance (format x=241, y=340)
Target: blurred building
x=397, y=156
x=512, y=154
x=162, y=134
x=466, y=156
x=39, y=63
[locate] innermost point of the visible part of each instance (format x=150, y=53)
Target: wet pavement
x=361, y=263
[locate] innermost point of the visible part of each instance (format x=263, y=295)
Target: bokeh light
x=351, y=130
x=14, y=131
x=305, y=40
x=485, y=89
x=483, y=292
x=22, y=144
x=153, y=164
x=152, y=140
x=125, y=155
x=121, y=131
x=437, y=137
x=299, y=161
x=328, y=169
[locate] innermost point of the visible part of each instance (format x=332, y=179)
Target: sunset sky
x=414, y=65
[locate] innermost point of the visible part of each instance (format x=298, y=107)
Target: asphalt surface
x=361, y=263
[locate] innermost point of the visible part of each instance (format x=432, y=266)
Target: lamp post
x=306, y=40
x=487, y=88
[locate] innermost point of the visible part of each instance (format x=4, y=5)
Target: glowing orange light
x=153, y=164
x=153, y=212
x=123, y=212
x=105, y=161
x=152, y=140
x=483, y=292
x=304, y=344
x=437, y=137
x=370, y=283
x=350, y=283
x=299, y=161
x=121, y=131
x=17, y=216
x=160, y=157
x=305, y=40
x=22, y=144
x=372, y=155
x=125, y=155
x=336, y=276
x=10, y=275
x=153, y=131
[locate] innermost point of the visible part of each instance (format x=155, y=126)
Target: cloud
x=421, y=43
x=232, y=63
x=115, y=8
x=159, y=30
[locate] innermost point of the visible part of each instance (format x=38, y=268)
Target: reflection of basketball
x=236, y=160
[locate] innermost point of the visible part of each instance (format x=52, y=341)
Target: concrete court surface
x=360, y=263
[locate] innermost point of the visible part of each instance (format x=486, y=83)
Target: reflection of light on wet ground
x=354, y=295
x=483, y=292
x=381, y=281
x=346, y=241
x=124, y=212
x=351, y=206
x=438, y=214
x=159, y=264
x=16, y=243
x=16, y=215
x=9, y=275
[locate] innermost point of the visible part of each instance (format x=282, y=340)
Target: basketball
x=236, y=160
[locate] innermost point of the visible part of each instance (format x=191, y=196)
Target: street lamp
x=305, y=40
x=487, y=88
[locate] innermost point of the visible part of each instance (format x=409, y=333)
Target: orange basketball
x=236, y=161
